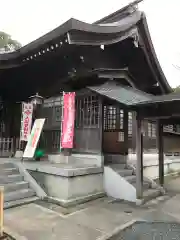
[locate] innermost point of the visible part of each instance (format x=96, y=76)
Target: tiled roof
x=171, y=97
x=122, y=94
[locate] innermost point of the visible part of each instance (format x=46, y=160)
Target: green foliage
x=177, y=89
x=7, y=44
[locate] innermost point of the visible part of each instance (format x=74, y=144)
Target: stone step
x=10, y=187
x=20, y=202
x=131, y=178
x=8, y=171
x=6, y=165
x=146, y=185
x=150, y=194
x=20, y=194
x=117, y=166
x=124, y=172
x=10, y=179
x=115, y=159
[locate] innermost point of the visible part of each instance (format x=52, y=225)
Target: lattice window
x=113, y=118
x=51, y=110
x=168, y=128
x=87, y=111
x=130, y=123
x=151, y=130
x=178, y=128
x=121, y=119
x=57, y=113
x=121, y=137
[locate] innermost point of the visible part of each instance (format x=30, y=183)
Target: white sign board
x=34, y=138
x=26, y=121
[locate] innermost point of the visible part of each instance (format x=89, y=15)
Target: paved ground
x=94, y=222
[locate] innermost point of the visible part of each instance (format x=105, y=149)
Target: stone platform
x=67, y=184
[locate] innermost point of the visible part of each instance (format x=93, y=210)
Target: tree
x=177, y=89
x=7, y=44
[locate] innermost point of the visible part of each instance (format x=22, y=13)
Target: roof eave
x=165, y=87
x=144, y=31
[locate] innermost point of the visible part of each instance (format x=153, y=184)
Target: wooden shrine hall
x=164, y=109
x=113, y=59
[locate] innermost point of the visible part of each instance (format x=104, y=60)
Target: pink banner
x=68, y=120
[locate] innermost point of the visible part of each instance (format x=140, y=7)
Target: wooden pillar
x=101, y=122
x=139, y=155
x=125, y=125
x=160, y=151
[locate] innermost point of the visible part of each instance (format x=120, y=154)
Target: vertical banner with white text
x=67, y=134
x=26, y=121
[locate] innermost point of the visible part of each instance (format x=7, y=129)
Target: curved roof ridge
x=136, y=19
x=74, y=24
x=152, y=54
x=144, y=27
x=126, y=10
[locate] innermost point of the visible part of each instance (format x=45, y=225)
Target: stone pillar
x=160, y=151
x=139, y=163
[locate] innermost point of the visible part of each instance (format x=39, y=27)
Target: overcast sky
x=27, y=20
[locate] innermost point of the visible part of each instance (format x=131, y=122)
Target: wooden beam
x=161, y=151
x=139, y=161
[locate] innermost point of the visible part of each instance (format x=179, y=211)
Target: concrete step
x=10, y=179
x=150, y=194
x=10, y=187
x=20, y=194
x=8, y=171
x=124, y=172
x=20, y=202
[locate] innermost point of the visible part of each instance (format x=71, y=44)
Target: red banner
x=68, y=120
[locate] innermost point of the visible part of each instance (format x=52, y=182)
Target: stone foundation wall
x=69, y=190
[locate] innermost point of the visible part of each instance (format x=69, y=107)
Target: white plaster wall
x=148, y=159
x=117, y=187
x=151, y=165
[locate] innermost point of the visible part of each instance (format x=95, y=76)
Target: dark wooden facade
x=76, y=55
x=101, y=126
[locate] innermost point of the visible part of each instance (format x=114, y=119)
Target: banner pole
x=22, y=106
x=62, y=121
x=1, y=211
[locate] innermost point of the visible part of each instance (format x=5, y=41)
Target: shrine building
x=126, y=114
